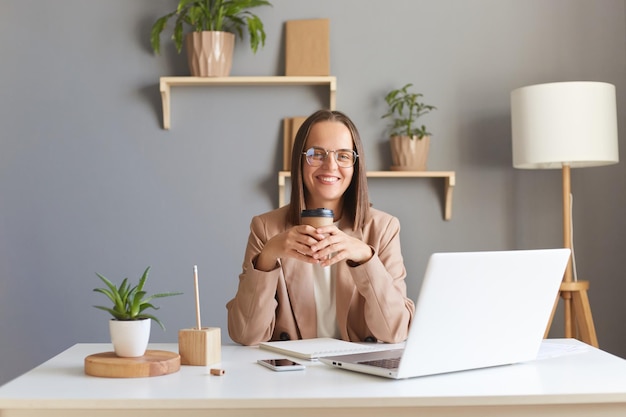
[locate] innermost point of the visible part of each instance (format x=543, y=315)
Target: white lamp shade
x=565, y=123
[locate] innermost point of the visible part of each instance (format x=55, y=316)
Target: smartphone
x=281, y=364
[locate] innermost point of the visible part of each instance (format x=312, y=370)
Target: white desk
x=589, y=383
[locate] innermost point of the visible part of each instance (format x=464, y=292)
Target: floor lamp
x=561, y=126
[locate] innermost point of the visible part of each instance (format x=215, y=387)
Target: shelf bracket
x=164, y=86
x=448, y=188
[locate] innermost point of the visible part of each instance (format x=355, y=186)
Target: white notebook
x=311, y=349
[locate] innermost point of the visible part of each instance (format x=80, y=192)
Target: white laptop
x=474, y=310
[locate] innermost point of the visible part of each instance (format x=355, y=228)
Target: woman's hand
x=293, y=243
x=325, y=245
x=336, y=246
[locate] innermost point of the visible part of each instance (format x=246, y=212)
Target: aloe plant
x=406, y=108
x=130, y=302
x=212, y=15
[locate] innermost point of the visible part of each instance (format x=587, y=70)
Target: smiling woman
x=343, y=280
x=327, y=179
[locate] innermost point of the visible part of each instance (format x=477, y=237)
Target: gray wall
x=90, y=182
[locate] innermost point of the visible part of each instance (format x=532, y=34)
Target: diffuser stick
x=195, y=283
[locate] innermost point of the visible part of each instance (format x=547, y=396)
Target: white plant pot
x=130, y=338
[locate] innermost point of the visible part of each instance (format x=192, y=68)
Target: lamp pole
x=578, y=319
x=567, y=243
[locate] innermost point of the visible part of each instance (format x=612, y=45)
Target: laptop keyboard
x=389, y=363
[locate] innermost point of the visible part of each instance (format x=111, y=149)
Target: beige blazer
x=280, y=305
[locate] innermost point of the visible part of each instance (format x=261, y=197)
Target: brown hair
x=356, y=201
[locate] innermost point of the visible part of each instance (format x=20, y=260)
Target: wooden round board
x=152, y=363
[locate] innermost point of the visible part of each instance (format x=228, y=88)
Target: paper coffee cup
x=317, y=217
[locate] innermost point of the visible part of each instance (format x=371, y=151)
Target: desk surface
x=587, y=382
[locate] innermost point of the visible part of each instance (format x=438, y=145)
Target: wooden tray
x=152, y=363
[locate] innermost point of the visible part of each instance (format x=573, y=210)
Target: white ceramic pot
x=130, y=338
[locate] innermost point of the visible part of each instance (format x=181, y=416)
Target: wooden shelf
x=167, y=82
x=448, y=176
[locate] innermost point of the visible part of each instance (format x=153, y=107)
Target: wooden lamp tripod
x=564, y=125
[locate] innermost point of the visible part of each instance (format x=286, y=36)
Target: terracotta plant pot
x=130, y=338
x=409, y=153
x=210, y=54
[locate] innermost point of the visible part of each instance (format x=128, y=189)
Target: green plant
x=212, y=15
x=130, y=302
x=406, y=108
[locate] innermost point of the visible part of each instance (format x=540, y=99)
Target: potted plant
x=409, y=141
x=130, y=325
x=213, y=24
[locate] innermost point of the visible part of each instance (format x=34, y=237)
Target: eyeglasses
x=316, y=156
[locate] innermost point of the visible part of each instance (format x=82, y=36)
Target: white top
x=325, y=300
x=325, y=305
